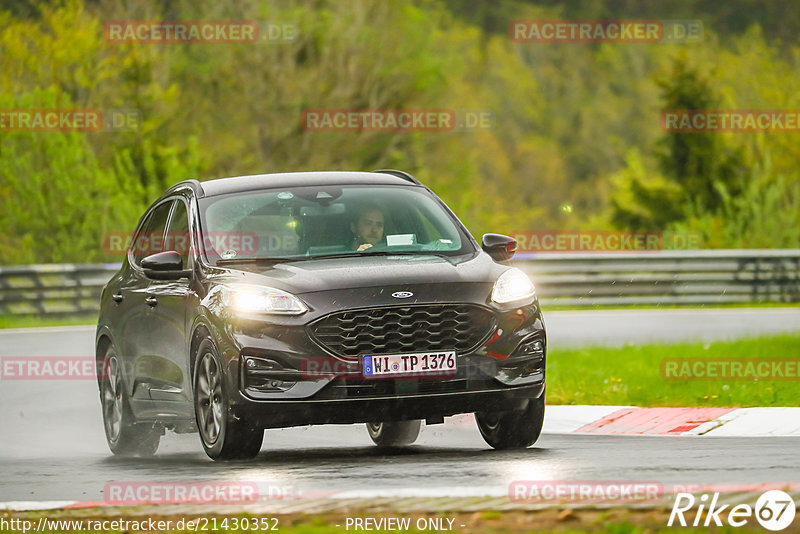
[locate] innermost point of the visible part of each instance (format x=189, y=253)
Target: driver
x=367, y=228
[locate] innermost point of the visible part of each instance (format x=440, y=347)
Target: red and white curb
x=738, y=422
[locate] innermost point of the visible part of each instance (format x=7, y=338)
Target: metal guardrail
x=665, y=277
x=53, y=289
x=569, y=279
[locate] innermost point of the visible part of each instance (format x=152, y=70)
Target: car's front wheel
x=512, y=430
x=394, y=434
x=224, y=437
x=124, y=435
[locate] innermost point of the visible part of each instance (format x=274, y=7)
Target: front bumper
x=279, y=414
x=294, y=380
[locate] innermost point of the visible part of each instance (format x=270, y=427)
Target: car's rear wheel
x=224, y=437
x=394, y=434
x=124, y=435
x=512, y=430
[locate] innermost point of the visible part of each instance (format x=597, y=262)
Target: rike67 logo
x=774, y=510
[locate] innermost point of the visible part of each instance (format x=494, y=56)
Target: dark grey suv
x=309, y=298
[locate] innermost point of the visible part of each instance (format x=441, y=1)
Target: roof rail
x=195, y=185
x=400, y=174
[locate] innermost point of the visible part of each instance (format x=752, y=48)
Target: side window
x=177, y=237
x=150, y=238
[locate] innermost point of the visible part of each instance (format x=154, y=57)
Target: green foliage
x=700, y=163
x=765, y=215
x=739, y=190
x=693, y=169
x=643, y=199
x=572, y=124
x=58, y=201
x=63, y=192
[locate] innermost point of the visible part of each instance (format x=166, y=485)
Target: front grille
x=404, y=329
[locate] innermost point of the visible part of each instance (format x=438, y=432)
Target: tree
x=694, y=169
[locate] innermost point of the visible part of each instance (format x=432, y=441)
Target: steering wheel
x=378, y=247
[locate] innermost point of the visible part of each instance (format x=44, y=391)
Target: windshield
x=315, y=222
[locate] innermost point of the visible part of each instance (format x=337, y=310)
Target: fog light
x=531, y=347
x=531, y=368
x=266, y=375
x=262, y=364
x=267, y=386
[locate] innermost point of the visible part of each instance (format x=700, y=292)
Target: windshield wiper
x=382, y=253
x=263, y=259
x=285, y=259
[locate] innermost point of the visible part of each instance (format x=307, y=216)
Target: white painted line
x=564, y=419
x=401, y=493
x=778, y=421
x=462, y=420
x=21, y=506
x=741, y=422
x=397, y=493
x=49, y=329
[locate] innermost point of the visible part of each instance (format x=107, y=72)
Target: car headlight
x=513, y=285
x=255, y=299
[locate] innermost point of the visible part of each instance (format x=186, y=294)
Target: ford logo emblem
x=402, y=294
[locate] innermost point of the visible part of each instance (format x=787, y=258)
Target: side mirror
x=499, y=247
x=165, y=266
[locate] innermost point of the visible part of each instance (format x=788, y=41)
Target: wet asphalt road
x=444, y=461
x=54, y=449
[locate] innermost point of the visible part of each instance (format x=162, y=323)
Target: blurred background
x=575, y=141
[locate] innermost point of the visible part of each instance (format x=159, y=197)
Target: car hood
x=371, y=271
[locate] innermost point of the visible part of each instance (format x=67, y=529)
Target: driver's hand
x=363, y=247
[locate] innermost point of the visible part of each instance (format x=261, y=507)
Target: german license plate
x=420, y=363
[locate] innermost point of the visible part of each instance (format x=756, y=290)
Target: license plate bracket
x=435, y=363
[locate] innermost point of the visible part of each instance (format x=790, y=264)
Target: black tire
x=512, y=430
x=223, y=436
x=124, y=435
x=394, y=434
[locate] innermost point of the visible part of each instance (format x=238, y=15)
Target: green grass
x=631, y=375
x=31, y=321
